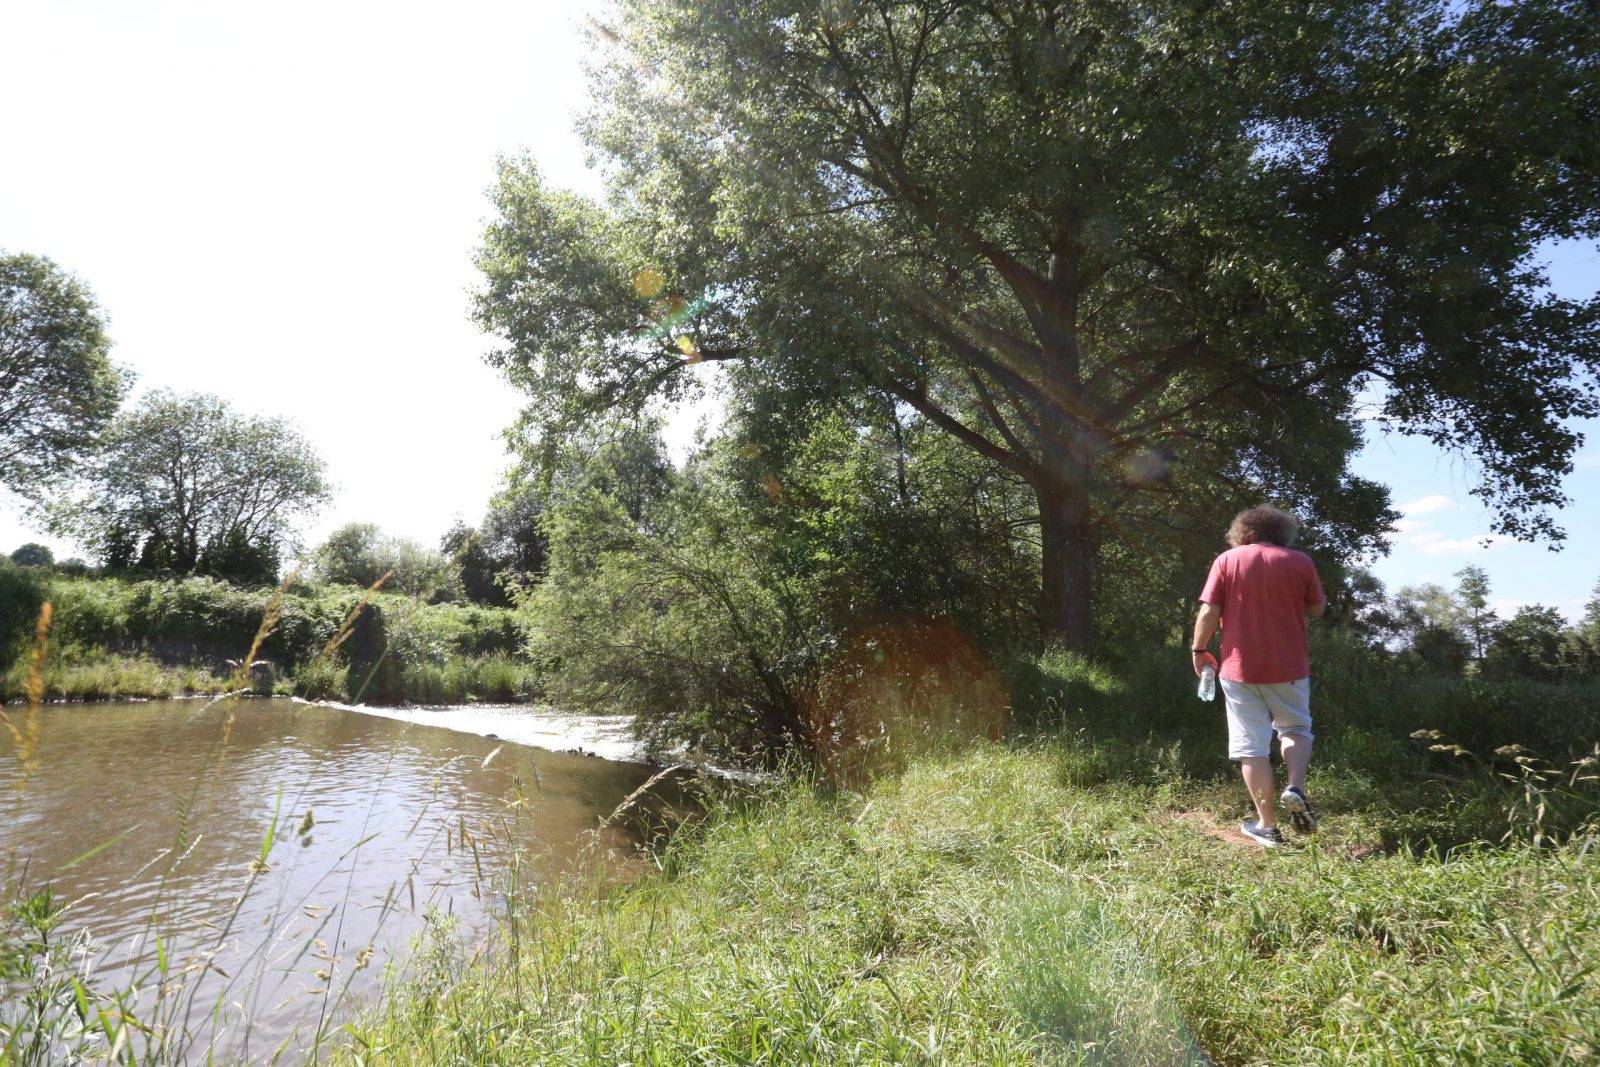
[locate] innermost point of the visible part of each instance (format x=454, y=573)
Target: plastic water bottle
x=1208, y=683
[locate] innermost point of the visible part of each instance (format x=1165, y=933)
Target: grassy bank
x=113, y=638
x=1009, y=905
x=99, y=675
x=1075, y=896
x=76, y=674
x=496, y=678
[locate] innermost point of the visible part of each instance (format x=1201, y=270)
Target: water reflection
x=373, y=821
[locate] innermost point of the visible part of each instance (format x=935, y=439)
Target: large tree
x=1531, y=644
x=1478, y=620
x=1139, y=256
x=185, y=484
x=58, y=386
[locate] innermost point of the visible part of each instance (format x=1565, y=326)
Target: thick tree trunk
x=1065, y=609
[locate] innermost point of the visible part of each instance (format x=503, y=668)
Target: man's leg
x=1259, y=780
x=1250, y=742
x=1291, y=718
x=1296, y=757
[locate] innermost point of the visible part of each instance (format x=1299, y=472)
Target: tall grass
x=79, y=673
x=457, y=680
x=205, y=618
x=489, y=678
x=1072, y=896
x=162, y=638
x=980, y=908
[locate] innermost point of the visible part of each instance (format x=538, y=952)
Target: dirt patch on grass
x=1213, y=827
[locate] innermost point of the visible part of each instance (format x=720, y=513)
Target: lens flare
x=901, y=687
x=649, y=282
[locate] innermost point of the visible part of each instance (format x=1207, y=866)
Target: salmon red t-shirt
x=1263, y=591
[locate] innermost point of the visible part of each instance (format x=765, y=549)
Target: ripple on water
x=404, y=818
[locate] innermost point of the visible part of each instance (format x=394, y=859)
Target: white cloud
x=1506, y=608
x=1422, y=535
x=1432, y=544
x=1427, y=505
x=1571, y=609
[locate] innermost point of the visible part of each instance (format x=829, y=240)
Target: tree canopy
x=1144, y=259
x=33, y=554
x=359, y=553
x=186, y=484
x=58, y=386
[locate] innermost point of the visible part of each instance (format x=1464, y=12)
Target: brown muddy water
x=150, y=819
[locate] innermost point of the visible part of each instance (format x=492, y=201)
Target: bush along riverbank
x=112, y=638
x=1078, y=895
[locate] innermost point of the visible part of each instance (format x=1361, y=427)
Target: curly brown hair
x=1263, y=524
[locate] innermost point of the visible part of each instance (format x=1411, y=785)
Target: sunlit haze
x=278, y=204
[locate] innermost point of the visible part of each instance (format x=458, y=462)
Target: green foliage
x=1071, y=241
x=1442, y=633
x=37, y=975
x=1532, y=644
x=497, y=679
x=1149, y=703
x=74, y=672
x=373, y=675
x=148, y=638
x=681, y=624
x=58, y=386
x=185, y=484
x=33, y=554
x=1478, y=619
x=714, y=616
x=241, y=560
x=350, y=555
x=323, y=678
x=359, y=554
x=22, y=595
x=479, y=578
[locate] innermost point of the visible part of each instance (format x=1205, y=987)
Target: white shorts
x=1255, y=711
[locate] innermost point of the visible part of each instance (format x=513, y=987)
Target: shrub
x=22, y=595
x=196, y=619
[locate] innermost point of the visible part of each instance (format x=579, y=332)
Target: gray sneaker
x=1268, y=838
x=1301, y=815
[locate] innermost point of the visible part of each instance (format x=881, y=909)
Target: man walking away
x=1260, y=593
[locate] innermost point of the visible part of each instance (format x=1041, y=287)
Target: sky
x=279, y=203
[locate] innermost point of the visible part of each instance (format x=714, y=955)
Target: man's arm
x=1205, y=627
x=1316, y=600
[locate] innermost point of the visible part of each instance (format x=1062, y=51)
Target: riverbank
x=98, y=675
x=117, y=638
x=1079, y=894
x=1029, y=902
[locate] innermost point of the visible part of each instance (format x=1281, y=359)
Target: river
x=284, y=854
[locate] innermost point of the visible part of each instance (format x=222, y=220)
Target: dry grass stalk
x=26, y=737
x=343, y=632
x=269, y=623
